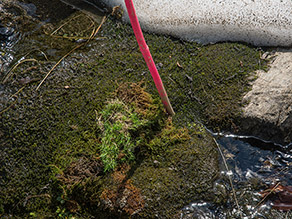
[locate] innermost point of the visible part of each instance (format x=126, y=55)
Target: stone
x=268, y=113
x=261, y=22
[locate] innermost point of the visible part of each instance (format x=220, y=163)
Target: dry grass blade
x=55, y=31
x=229, y=177
x=270, y=192
x=14, y=102
x=15, y=66
x=93, y=34
x=57, y=65
x=7, y=108
x=74, y=37
x=44, y=54
x=15, y=95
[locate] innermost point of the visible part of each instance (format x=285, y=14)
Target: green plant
x=62, y=209
x=117, y=121
x=63, y=213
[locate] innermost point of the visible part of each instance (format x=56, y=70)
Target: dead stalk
x=93, y=34
x=264, y=198
x=7, y=108
x=55, y=31
x=229, y=177
x=15, y=66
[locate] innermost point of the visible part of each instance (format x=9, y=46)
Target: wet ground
x=253, y=165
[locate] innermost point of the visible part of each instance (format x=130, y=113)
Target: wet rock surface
x=50, y=142
x=268, y=113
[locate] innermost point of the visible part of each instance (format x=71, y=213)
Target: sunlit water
x=8, y=38
x=253, y=165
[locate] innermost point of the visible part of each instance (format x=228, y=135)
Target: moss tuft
x=116, y=122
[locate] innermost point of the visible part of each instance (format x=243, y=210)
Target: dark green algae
x=43, y=132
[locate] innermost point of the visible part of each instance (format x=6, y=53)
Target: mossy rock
x=174, y=168
x=184, y=173
x=44, y=133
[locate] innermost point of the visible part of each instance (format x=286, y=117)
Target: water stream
x=253, y=165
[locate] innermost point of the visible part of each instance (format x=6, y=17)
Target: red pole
x=147, y=56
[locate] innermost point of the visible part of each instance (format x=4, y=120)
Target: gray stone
x=261, y=22
x=268, y=113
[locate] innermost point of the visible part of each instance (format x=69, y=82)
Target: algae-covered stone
x=172, y=166
x=183, y=173
x=50, y=138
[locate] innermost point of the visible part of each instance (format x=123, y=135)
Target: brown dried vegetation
x=135, y=94
x=80, y=170
x=123, y=197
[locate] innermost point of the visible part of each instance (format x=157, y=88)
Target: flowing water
x=252, y=164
